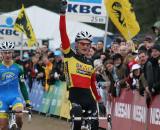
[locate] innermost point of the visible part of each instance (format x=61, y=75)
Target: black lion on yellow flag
x=22, y=24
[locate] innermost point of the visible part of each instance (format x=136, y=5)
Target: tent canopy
x=46, y=26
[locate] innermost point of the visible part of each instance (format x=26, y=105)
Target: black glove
x=28, y=106
x=63, y=6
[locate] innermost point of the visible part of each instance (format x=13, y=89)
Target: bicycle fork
x=12, y=120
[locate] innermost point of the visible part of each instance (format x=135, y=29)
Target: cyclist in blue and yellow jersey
x=11, y=77
x=80, y=74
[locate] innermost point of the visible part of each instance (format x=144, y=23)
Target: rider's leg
x=3, y=116
x=76, y=111
x=19, y=115
x=3, y=122
x=18, y=106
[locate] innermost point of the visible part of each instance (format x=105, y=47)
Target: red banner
x=130, y=112
x=139, y=112
x=154, y=114
x=121, y=117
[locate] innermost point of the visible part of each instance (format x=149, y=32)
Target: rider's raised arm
x=64, y=37
x=62, y=27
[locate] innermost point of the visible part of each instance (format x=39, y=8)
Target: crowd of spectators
x=42, y=65
x=123, y=65
x=128, y=65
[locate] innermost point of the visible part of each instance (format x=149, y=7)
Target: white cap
x=97, y=63
x=135, y=67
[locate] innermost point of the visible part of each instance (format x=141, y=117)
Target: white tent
x=46, y=25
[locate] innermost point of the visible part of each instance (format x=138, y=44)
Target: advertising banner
x=139, y=112
x=154, y=114
x=92, y=11
x=121, y=117
x=7, y=33
x=60, y=95
x=36, y=95
x=46, y=100
x=55, y=99
x=23, y=45
x=65, y=106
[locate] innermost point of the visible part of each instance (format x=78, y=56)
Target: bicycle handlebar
x=13, y=111
x=89, y=118
x=29, y=112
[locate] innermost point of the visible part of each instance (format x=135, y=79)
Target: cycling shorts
x=6, y=102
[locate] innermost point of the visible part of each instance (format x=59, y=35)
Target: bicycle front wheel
x=14, y=127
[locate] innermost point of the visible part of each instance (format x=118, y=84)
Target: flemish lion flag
x=122, y=15
x=22, y=24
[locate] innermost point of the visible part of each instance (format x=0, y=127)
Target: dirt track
x=41, y=122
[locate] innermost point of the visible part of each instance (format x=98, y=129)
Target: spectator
x=104, y=81
x=51, y=56
x=155, y=60
x=115, y=47
x=48, y=68
x=33, y=70
x=156, y=30
x=146, y=66
x=120, y=68
x=131, y=46
x=40, y=76
x=100, y=45
x=44, y=49
x=136, y=79
x=123, y=51
x=58, y=67
x=99, y=50
x=108, y=64
x=148, y=42
x=92, y=52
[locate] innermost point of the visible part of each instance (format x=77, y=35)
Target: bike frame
x=12, y=116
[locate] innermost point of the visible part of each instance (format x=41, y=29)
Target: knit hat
x=157, y=47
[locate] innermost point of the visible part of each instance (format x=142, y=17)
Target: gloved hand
x=28, y=106
x=63, y=6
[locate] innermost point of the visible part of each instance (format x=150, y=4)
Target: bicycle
x=12, y=125
x=87, y=121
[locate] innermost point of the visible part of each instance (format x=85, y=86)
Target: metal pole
x=105, y=33
x=21, y=50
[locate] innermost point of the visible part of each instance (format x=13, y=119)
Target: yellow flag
x=22, y=24
x=122, y=15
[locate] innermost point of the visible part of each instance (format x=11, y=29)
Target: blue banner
x=87, y=1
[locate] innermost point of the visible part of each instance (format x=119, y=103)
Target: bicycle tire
x=14, y=127
x=71, y=125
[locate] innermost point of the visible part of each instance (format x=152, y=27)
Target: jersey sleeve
x=23, y=87
x=93, y=87
x=64, y=37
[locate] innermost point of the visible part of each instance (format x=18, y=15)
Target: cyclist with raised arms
x=11, y=77
x=80, y=73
